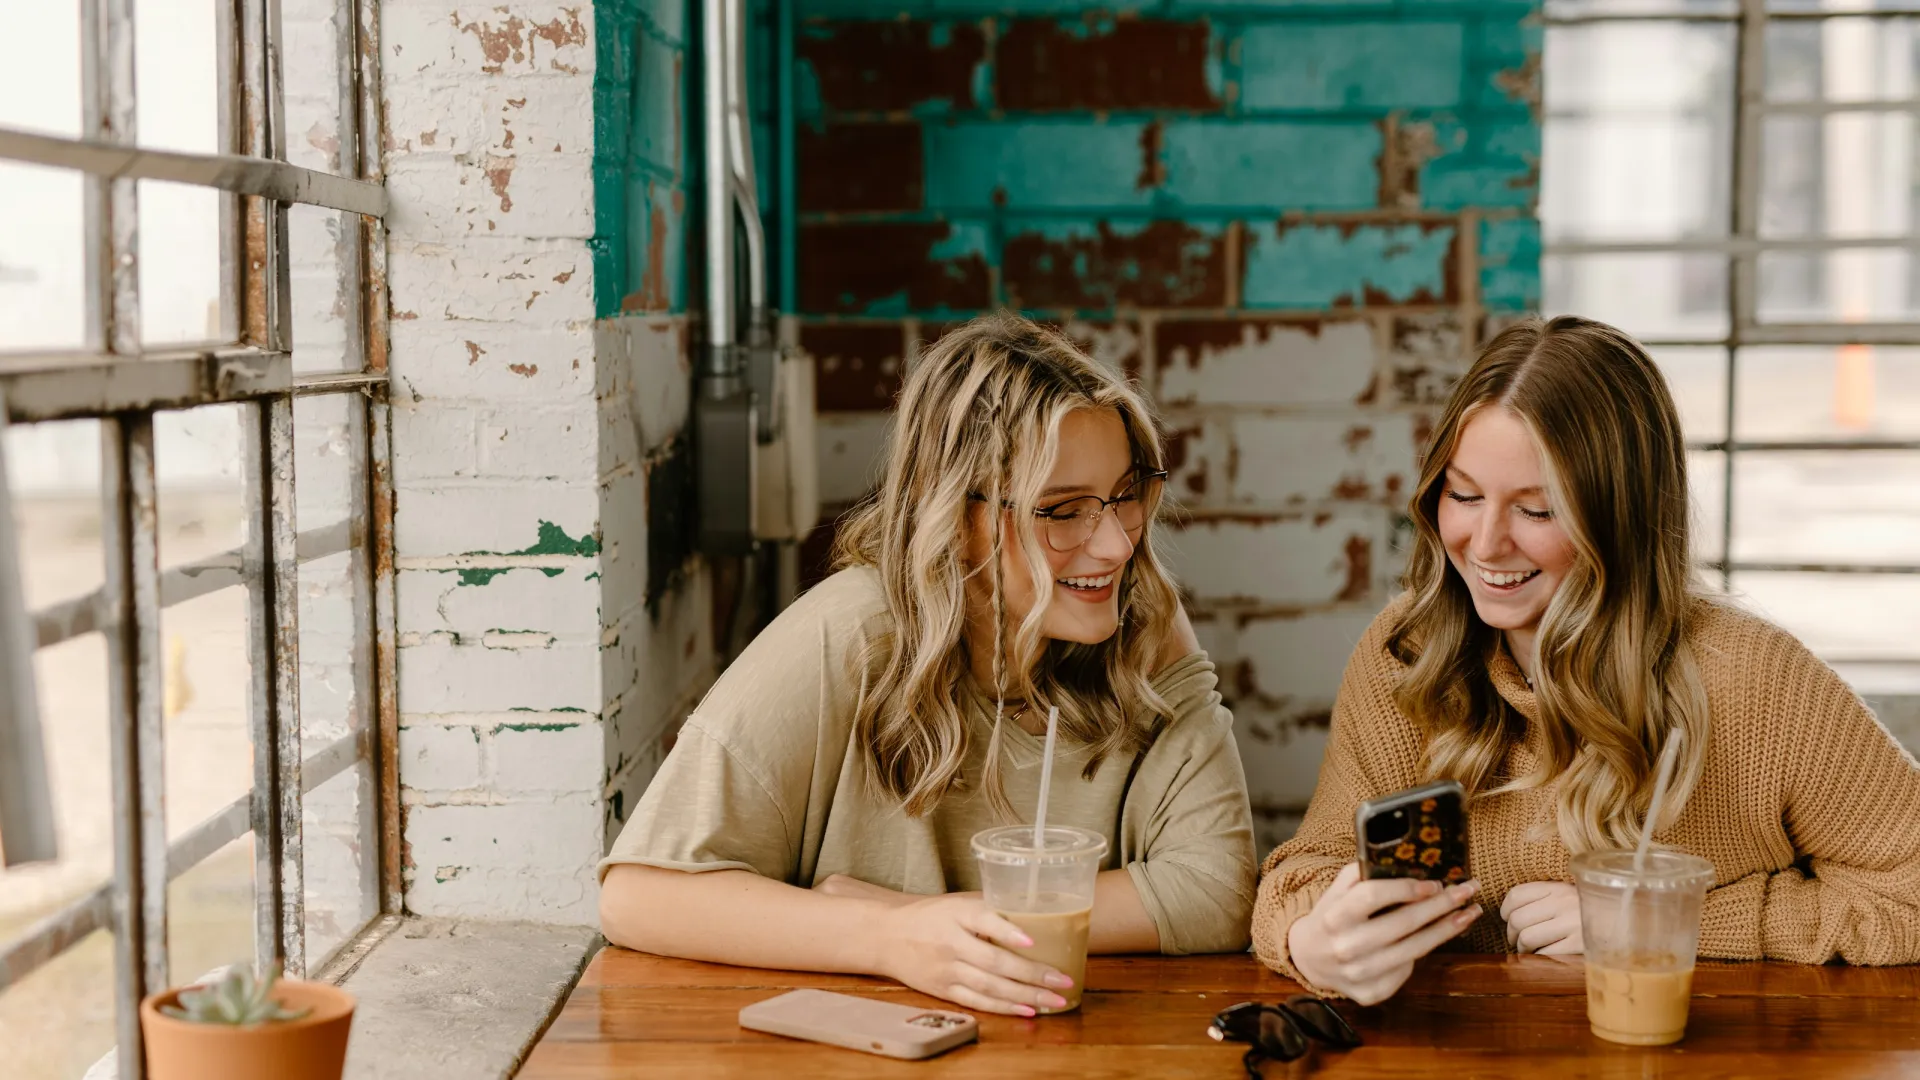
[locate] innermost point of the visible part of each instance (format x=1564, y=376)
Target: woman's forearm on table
x=737, y=917
x=1121, y=923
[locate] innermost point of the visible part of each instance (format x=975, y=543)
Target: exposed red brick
x=890, y=65
x=847, y=266
x=1153, y=170
x=849, y=168
x=1168, y=264
x=857, y=366
x=1359, y=569
x=1105, y=64
x=816, y=551
x=1199, y=337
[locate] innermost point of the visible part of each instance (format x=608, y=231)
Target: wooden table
x=1461, y=1016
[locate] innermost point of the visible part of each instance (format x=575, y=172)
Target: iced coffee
x=1641, y=928
x=1046, y=890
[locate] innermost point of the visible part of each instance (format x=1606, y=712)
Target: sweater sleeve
x=1851, y=800
x=1195, y=873
x=1371, y=749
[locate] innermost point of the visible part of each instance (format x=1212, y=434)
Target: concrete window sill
x=456, y=999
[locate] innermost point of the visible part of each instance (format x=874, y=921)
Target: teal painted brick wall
x=1367, y=118
x=1292, y=221
x=642, y=114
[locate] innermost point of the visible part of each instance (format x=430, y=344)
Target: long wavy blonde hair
x=979, y=420
x=1614, y=676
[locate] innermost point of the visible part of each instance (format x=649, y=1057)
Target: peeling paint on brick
x=848, y=168
x=891, y=268
x=893, y=65
x=1095, y=62
x=857, y=365
x=1075, y=266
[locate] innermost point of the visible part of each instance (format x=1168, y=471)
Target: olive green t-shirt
x=765, y=777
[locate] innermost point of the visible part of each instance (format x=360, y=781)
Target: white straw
x=1040, y=812
x=1668, y=758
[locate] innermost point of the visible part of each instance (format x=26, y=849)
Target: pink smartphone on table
x=856, y=1023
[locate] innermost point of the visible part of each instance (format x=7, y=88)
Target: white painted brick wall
x=546, y=758
x=1281, y=363
x=439, y=758
x=1285, y=561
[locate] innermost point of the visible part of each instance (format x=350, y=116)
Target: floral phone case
x=1418, y=833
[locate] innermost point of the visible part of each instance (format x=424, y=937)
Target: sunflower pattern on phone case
x=1434, y=847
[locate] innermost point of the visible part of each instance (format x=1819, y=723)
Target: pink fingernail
x=1026, y=1010
x=1026, y=942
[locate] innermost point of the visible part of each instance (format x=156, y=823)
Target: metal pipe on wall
x=726, y=426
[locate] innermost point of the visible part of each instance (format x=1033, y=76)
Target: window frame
x=1743, y=246
x=118, y=382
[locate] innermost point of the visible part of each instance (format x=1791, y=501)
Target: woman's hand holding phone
x=1362, y=937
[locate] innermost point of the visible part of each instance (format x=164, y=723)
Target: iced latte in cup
x=1641, y=929
x=1046, y=890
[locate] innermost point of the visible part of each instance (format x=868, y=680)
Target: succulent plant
x=239, y=998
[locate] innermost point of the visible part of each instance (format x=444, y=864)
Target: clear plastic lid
x=1664, y=870
x=1013, y=845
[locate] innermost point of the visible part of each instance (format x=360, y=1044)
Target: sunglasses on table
x=1069, y=524
x=1282, y=1032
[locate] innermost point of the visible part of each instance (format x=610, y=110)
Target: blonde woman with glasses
x=1552, y=639
x=816, y=811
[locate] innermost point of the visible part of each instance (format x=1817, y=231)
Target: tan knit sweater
x=1807, y=808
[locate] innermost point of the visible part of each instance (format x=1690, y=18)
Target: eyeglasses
x=1067, y=526
x=1281, y=1032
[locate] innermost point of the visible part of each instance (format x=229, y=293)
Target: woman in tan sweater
x=1552, y=638
x=817, y=808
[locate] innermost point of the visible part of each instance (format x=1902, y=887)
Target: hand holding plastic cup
x=1040, y=878
x=1046, y=890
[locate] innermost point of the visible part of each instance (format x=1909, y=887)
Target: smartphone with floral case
x=1417, y=833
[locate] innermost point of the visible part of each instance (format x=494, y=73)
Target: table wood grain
x=1461, y=1016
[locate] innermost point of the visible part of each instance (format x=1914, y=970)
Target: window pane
x=1697, y=378
x=205, y=680
x=1651, y=296
x=1841, y=616
x=1848, y=175
x=40, y=84
x=1637, y=158
x=179, y=263
x=324, y=307
x=1841, y=59
x=1849, y=285
x=175, y=75
x=336, y=665
x=59, y=1020
x=1566, y=8
x=1841, y=392
x=1831, y=506
x=56, y=1022
x=1706, y=475
x=311, y=77
x=42, y=258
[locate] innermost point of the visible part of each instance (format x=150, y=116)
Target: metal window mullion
x=266, y=273
x=130, y=525
x=273, y=653
x=1749, y=84
x=228, y=97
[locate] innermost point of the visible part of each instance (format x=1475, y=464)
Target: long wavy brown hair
x=1614, y=675
x=979, y=419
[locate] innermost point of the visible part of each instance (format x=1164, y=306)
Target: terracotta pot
x=313, y=1047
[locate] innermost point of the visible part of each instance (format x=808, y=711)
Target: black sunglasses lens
x=1279, y=1038
x=1241, y=1023
x=1324, y=1021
